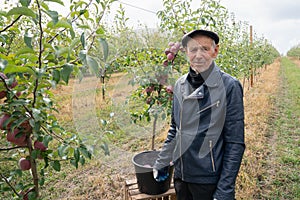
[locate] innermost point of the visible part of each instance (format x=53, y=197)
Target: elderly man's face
x=201, y=51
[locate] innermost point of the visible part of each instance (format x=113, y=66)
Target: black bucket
x=143, y=163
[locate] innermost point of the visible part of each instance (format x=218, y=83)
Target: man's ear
x=216, y=51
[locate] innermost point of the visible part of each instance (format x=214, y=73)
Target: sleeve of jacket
x=234, y=146
x=166, y=154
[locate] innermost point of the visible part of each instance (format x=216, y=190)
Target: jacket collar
x=214, y=78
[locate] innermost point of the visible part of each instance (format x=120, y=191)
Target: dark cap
x=194, y=33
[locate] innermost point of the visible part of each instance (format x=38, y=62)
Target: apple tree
x=41, y=48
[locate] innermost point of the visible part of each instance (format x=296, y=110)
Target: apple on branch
x=24, y=164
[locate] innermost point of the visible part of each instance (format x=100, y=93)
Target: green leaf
x=25, y=3
x=62, y=150
x=21, y=11
x=56, y=75
x=73, y=162
x=41, y=181
x=28, y=41
x=54, y=16
x=24, y=51
x=56, y=165
x=72, y=33
x=82, y=55
x=63, y=24
x=34, y=153
x=82, y=39
x=2, y=49
x=104, y=45
x=105, y=148
x=93, y=65
x=82, y=160
x=85, y=152
x=17, y=69
x=62, y=51
x=60, y=24
x=66, y=72
x=36, y=114
x=19, y=102
x=16, y=172
x=100, y=31
x=47, y=139
x=76, y=154
x=57, y=1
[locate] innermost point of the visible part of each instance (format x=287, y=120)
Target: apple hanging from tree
x=24, y=164
x=16, y=137
x=169, y=89
x=40, y=146
x=3, y=120
x=2, y=94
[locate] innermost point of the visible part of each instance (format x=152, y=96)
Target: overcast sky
x=276, y=20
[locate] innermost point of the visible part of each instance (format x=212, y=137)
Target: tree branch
x=11, y=148
x=73, y=20
x=40, y=51
x=46, y=130
x=8, y=183
x=10, y=25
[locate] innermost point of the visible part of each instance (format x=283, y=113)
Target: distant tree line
x=294, y=52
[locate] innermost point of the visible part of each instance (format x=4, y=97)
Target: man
x=206, y=136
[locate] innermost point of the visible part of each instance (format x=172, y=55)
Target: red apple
x=2, y=94
x=171, y=44
x=18, y=94
x=149, y=89
x=18, y=140
x=149, y=100
x=13, y=85
x=40, y=146
x=170, y=56
x=3, y=119
x=24, y=164
x=177, y=45
x=173, y=49
x=169, y=89
x=166, y=63
x=26, y=127
x=167, y=51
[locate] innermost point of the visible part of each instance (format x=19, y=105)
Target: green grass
x=286, y=181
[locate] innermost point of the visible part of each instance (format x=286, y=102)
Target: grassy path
x=283, y=181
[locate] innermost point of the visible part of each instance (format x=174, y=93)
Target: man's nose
x=200, y=52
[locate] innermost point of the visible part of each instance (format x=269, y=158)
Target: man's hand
x=161, y=174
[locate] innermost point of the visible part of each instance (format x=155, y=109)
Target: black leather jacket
x=206, y=136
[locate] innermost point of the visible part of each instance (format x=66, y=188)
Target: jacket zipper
x=211, y=156
x=210, y=106
x=210, y=142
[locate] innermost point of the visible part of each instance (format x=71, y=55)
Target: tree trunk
x=154, y=131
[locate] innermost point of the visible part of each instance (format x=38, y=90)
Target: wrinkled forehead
x=200, y=40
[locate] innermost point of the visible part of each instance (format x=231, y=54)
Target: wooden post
x=251, y=45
